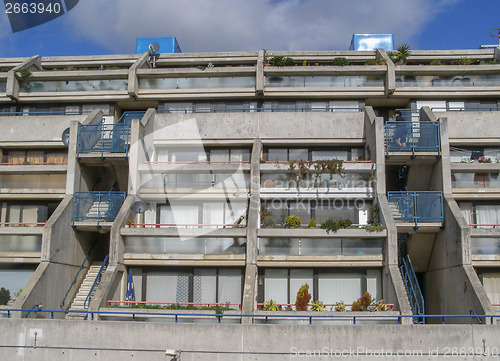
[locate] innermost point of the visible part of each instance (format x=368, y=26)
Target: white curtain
x=299, y=277
x=335, y=287
x=161, y=155
x=491, y=283
x=466, y=209
x=235, y=210
x=374, y=283
x=276, y=285
x=213, y=214
x=167, y=287
x=229, y=286
x=204, y=286
x=487, y=215
x=150, y=215
x=179, y=214
x=219, y=155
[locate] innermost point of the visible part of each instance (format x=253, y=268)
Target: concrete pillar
x=13, y=80
x=260, y=79
x=390, y=77
x=250, y=287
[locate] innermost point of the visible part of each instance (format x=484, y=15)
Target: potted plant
x=128, y=223
x=303, y=298
x=293, y=221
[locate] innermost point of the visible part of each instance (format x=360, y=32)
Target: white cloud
x=227, y=25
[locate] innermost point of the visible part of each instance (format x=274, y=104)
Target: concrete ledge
x=148, y=259
x=320, y=261
x=184, y=232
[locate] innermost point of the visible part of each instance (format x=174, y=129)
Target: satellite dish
x=139, y=207
x=153, y=48
x=65, y=137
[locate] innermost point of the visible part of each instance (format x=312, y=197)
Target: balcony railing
x=416, y=207
x=127, y=117
x=408, y=136
x=97, y=206
x=103, y=138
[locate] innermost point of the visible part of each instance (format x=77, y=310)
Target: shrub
x=330, y=226
x=345, y=223
x=4, y=296
x=293, y=221
x=270, y=306
x=362, y=303
x=340, y=306
x=380, y=306
x=371, y=62
x=318, y=307
x=281, y=61
x=312, y=223
x=303, y=298
x=340, y=61
x=465, y=60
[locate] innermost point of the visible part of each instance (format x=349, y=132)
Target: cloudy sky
x=112, y=26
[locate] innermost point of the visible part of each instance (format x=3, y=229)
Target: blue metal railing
x=97, y=281
x=127, y=117
x=413, y=289
x=103, y=138
x=417, y=207
x=98, y=206
x=408, y=136
x=176, y=315
x=74, y=280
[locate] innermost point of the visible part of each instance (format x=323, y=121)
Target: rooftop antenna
x=153, y=49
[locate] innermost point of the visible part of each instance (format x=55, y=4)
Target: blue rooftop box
x=372, y=42
x=168, y=45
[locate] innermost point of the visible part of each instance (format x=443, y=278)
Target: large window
x=211, y=214
x=327, y=285
x=24, y=156
x=25, y=213
x=278, y=154
x=334, y=209
x=481, y=215
x=199, y=285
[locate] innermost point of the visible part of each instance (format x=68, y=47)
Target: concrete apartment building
x=185, y=173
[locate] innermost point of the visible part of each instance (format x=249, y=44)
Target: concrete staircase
x=102, y=144
x=395, y=211
x=81, y=296
x=98, y=210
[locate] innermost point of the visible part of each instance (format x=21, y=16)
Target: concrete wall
x=284, y=125
x=473, y=125
x=35, y=129
x=107, y=340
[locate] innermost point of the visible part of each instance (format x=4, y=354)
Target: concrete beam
x=133, y=80
x=259, y=74
x=13, y=79
x=390, y=77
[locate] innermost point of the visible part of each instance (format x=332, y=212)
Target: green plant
x=23, y=73
x=362, y=303
x=303, y=298
x=312, y=223
x=375, y=227
x=340, y=306
x=293, y=221
x=373, y=214
x=371, y=62
x=4, y=296
x=18, y=293
x=318, y=307
x=270, y=306
x=340, y=61
x=436, y=62
x=330, y=226
x=333, y=226
x=267, y=219
x=281, y=61
x=380, y=306
x=465, y=60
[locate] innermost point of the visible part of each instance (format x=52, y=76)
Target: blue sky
x=111, y=27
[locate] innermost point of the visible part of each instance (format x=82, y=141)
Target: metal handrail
x=423, y=136
x=129, y=115
x=96, y=282
x=89, y=136
x=473, y=313
x=411, y=284
x=79, y=270
x=83, y=201
x=266, y=317
x=410, y=203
